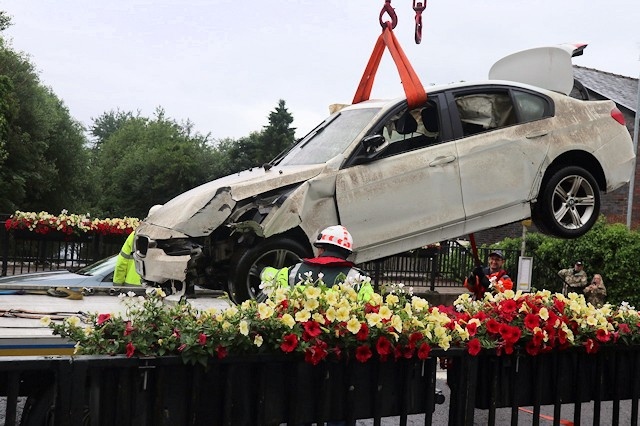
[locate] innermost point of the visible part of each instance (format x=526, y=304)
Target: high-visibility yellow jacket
x=125, y=272
x=332, y=268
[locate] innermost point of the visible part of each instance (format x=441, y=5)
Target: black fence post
x=4, y=239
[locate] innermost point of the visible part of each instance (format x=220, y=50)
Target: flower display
x=69, y=224
x=320, y=323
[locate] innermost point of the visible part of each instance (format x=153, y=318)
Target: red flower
x=312, y=328
x=363, y=334
x=289, y=343
x=602, y=335
x=363, y=353
x=474, y=346
x=508, y=306
x=202, y=339
x=102, y=318
x=414, y=338
x=509, y=333
x=423, y=351
x=532, y=348
x=493, y=326
x=128, y=328
x=624, y=328
x=383, y=347
x=368, y=309
x=532, y=321
x=472, y=328
x=130, y=350
x=316, y=353
x=221, y=352
x=591, y=346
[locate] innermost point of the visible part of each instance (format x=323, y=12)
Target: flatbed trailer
x=22, y=333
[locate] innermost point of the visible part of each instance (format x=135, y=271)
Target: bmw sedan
x=475, y=155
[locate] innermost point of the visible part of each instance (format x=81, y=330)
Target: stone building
x=624, y=92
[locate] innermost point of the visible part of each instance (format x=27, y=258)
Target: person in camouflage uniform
x=575, y=279
x=595, y=292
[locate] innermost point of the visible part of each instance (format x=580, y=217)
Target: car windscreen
x=330, y=138
x=101, y=267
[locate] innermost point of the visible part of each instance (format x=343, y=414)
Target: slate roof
x=620, y=89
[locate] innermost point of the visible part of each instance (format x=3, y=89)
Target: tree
x=43, y=152
x=260, y=147
x=149, y=161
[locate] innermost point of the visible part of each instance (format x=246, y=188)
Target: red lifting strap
x=413, y=88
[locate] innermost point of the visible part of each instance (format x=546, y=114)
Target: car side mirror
x=372, y=143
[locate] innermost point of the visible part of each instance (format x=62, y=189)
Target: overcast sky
x=224, y=64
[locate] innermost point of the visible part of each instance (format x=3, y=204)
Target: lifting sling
x=413, y=88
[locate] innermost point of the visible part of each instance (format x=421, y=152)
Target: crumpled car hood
x=199, y=211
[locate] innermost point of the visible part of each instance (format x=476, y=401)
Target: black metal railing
x=24, y=251
x=600, y=388
x=445, y=266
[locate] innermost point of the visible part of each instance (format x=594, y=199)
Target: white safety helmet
x=336, y=235
x=154, y=209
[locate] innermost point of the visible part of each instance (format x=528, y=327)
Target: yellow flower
x=331, y=314
x=265, y=311
x=374, y=320
x=88, y=331
x=312, y=292
x=463, y=333
x=396, y=323
x=331, y=297
x=376, y=299
x=385, y=312
x=303, y=315
x=343, y=314
x=73, y=321
x=544, y=313
x=244, y=328
x=311, y=304
x=353, y=325
x=231, y=312
x=419, y=304
x=258, y=340
x=392, y=299
x=288, y=320
x=318, y=317
x=45, y=320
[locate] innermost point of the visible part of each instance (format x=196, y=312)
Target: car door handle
x=442, y=160
x=537, y=135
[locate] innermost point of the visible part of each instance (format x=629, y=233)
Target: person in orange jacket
x=489, y=278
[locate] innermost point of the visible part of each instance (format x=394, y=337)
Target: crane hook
x=392, y=14
x=419, y=6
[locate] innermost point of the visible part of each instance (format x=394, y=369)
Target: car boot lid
x=201, y=210
x=548, y=67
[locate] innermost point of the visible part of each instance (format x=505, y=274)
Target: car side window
x=480, y=112
x=412, y=129
x=530, y=106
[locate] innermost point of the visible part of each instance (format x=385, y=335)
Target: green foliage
x=259, y=147
x=610, y=250
x=41, y=147
x=149, y=161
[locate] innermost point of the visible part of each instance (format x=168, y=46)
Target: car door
x=503, y=138
x=400, y=201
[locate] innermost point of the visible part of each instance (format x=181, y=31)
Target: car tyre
x=244, y=280
x=570, y=203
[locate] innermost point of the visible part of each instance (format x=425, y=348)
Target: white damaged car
x=474, y=156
